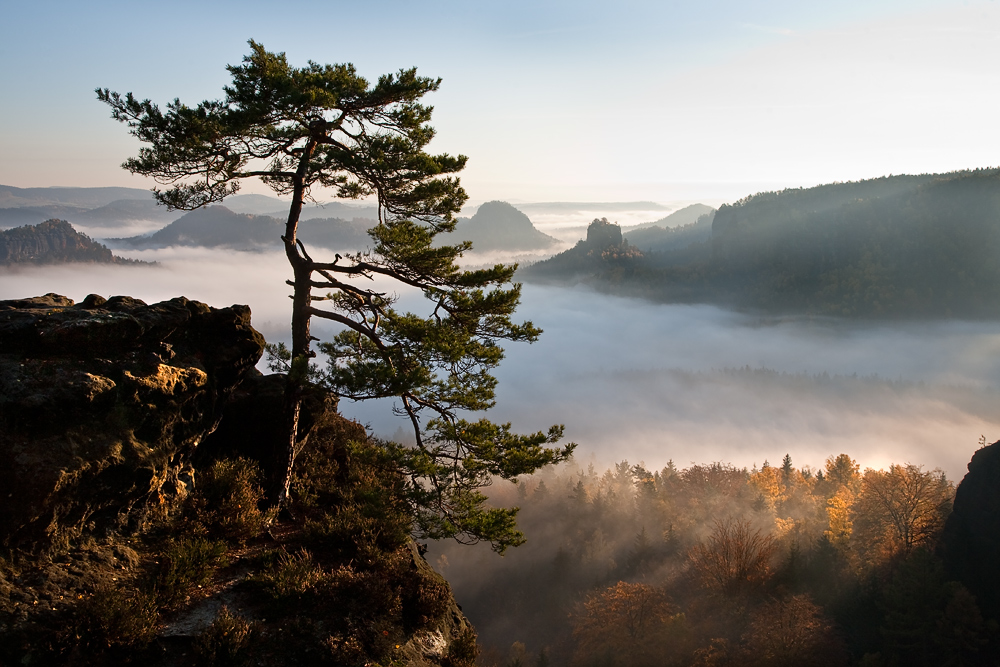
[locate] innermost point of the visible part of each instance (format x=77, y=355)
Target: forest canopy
x=718, y=565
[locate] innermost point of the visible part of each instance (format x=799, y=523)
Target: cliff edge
x=135, y=442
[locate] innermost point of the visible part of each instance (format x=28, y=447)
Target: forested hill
x=898, y=246
x=53, y=242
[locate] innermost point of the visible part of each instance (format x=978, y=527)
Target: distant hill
x=121, y=207
x=679, y=218
x=278, y=208
x=217, y=226
x=899, y=246
x=32, y=215
x=578, y=207
x=499, y=226
x=670, y=238
x=53, y=242
x=86, y=198
x=118, y=213
x=124, y=211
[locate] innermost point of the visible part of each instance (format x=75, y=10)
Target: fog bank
x=650, y=382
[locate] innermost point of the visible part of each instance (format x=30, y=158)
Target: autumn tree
x=736, y=557
x=298, y=129
x=625, y=624
x=900, y=509
x=791, y=632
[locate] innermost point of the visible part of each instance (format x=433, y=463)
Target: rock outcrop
x=135, y=444
x=103, y=404
x=51, y=242
x=602, y=234
x=970, y=544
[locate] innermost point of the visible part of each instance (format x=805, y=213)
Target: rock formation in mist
x=602, y=234
x=498, y=226
x=52, y=242
x=604, y=249
x=134, y=528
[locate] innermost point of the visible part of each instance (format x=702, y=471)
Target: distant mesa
x=53, y=242
x=499, y=226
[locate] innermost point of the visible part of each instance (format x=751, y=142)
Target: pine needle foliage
x=300, y=128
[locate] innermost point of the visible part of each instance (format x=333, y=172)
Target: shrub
x=354, y=498
x=229, y=497
x=186, y=563
x=292, y=575
x=463, y=650
x=225, y=643
x=116, y=617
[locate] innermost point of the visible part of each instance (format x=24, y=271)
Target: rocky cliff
x=970, y=545
x=135, y=442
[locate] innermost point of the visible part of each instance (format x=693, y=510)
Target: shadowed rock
x=103, y=404
x=970, y=545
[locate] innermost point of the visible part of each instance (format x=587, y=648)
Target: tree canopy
x=325, y=126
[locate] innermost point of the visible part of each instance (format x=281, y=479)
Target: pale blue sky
x=551, y=100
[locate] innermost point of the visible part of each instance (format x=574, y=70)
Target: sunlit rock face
x=970, y=545
x=102, y=405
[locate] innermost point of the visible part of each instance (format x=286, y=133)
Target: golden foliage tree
x=791, y=632
x=626, y=624
x=900, y=509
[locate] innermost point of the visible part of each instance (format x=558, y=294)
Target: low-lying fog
x=645, y=382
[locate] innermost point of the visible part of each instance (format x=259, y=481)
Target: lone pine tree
x=297, y=129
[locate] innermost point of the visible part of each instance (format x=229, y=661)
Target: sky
x=552, y=101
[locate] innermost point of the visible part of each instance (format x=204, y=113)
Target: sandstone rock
x=103, y=404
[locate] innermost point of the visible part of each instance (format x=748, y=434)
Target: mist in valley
x=659, y=386
x=651, y=382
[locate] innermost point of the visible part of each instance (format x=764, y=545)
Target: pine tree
x=297, y=129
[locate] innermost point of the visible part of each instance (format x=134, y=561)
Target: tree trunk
x=301, y=354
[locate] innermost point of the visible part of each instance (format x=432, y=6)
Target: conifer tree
x=297, y=129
